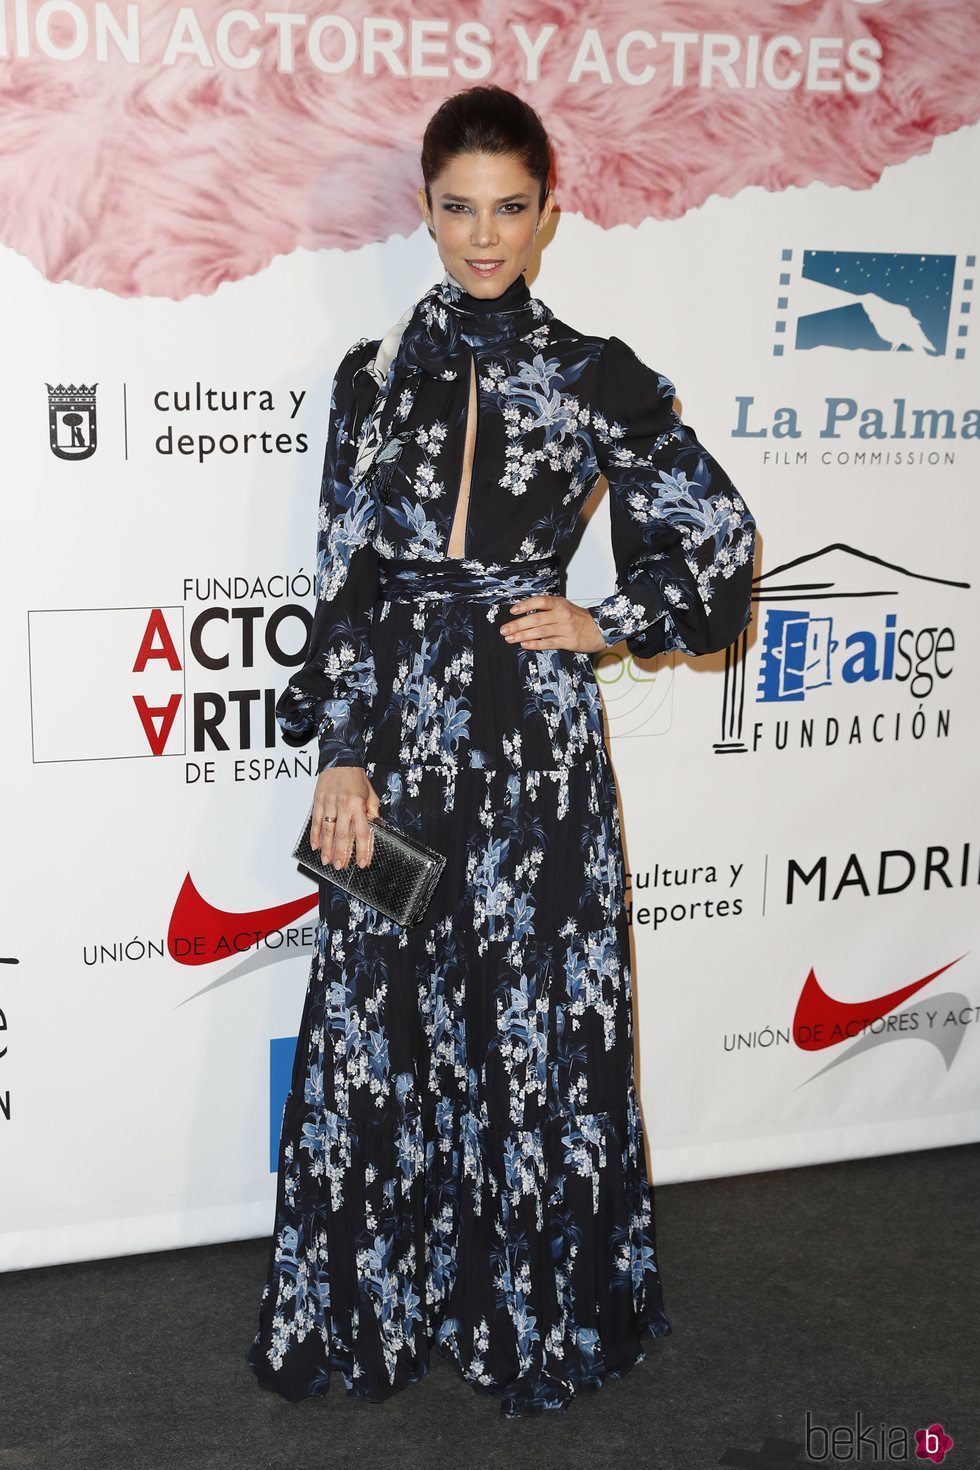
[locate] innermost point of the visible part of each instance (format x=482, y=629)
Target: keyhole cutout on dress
x=457, y=535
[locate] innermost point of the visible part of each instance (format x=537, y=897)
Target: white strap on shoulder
x=385, y=354
x=369, y=440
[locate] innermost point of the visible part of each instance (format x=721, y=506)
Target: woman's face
x=485, y=218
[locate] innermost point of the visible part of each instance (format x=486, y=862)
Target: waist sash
x=405, y=579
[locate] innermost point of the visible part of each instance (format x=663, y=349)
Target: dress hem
x=511, y=1406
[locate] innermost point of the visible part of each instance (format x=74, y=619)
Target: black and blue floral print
x=557, y=410
x=461, y=1158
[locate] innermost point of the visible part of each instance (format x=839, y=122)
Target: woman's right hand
x=345, y=793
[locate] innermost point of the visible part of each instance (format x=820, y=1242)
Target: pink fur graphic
x=166, y=180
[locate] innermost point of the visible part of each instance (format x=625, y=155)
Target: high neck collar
x=456, y=296
x=448, y=322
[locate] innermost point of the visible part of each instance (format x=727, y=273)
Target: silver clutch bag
x=399, y=879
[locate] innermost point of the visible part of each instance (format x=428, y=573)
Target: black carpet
x=847, y=1292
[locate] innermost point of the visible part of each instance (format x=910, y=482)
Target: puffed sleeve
x=682, y=536
x=330, y=695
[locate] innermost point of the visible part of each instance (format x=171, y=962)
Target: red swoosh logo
x=199, y=933
x=822, y=1021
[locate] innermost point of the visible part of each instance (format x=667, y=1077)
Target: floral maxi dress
x=461, y=1159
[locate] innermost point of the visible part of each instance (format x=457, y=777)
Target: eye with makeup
x=453, y=207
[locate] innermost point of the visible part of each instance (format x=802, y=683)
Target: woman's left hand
x=548, y=621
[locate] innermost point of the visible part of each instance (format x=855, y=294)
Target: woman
x=462, y=1153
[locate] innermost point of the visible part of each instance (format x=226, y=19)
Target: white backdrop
x=800, y=815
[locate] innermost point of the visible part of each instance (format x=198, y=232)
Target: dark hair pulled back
x=486, y=119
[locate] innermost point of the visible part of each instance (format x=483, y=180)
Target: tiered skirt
x=461, y=1162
